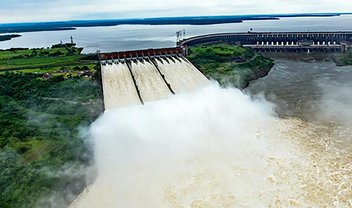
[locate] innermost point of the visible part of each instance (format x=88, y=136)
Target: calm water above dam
x=130, y=37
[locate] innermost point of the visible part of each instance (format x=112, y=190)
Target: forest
x=44, y=137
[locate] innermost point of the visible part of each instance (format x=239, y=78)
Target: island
x=8, y=37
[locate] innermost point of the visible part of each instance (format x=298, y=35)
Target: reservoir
x=135, y=37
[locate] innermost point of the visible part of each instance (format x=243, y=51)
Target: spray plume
x=211, y=148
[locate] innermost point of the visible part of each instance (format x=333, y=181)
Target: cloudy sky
x=51, y=10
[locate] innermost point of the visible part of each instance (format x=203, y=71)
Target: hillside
x=229, y=64
x=45, y=109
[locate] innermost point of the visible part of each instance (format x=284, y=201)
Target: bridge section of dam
x=278, y=41
x=137, y=77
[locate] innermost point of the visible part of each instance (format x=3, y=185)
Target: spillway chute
x=144, y=77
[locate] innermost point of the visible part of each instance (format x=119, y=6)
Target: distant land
x=8, y=37
x=192, y=20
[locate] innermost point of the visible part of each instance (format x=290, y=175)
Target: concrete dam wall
x=137, y=80
x=278, y=41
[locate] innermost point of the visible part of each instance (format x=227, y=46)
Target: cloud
x=42, y=10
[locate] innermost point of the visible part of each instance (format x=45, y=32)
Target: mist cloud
x=215, y=147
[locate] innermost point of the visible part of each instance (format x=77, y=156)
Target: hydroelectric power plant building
x=137, y=77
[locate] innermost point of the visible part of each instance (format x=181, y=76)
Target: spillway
x=178, y=75
x=151, y=85
x=195, y=76
x=118, y=87
x=138, y=78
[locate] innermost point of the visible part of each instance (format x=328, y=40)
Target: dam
x=278, y=41
x=137, y=77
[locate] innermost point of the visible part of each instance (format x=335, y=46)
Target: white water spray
x=212, y=148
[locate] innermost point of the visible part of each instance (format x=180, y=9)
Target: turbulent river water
x=283, y=142
x=315, y=97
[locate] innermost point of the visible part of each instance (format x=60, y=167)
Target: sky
x=57, y=10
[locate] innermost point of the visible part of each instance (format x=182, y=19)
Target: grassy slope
x=229, y=64
x=8, y=54
x=39, y=134
x=43, y=59
x=39, y=62
x=343, y=59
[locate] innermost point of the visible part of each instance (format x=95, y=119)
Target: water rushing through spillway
x=149, y=79
x=216, y=147
x=118, y=86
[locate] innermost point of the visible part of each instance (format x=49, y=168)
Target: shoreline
x=181, y=20
x=259, y=74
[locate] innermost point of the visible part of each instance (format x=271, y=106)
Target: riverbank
x=48, y=99
x=230, y=65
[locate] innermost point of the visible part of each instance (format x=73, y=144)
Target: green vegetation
x=343, y=59
x=44, y=59
x=42, y=149
x=229, y=64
